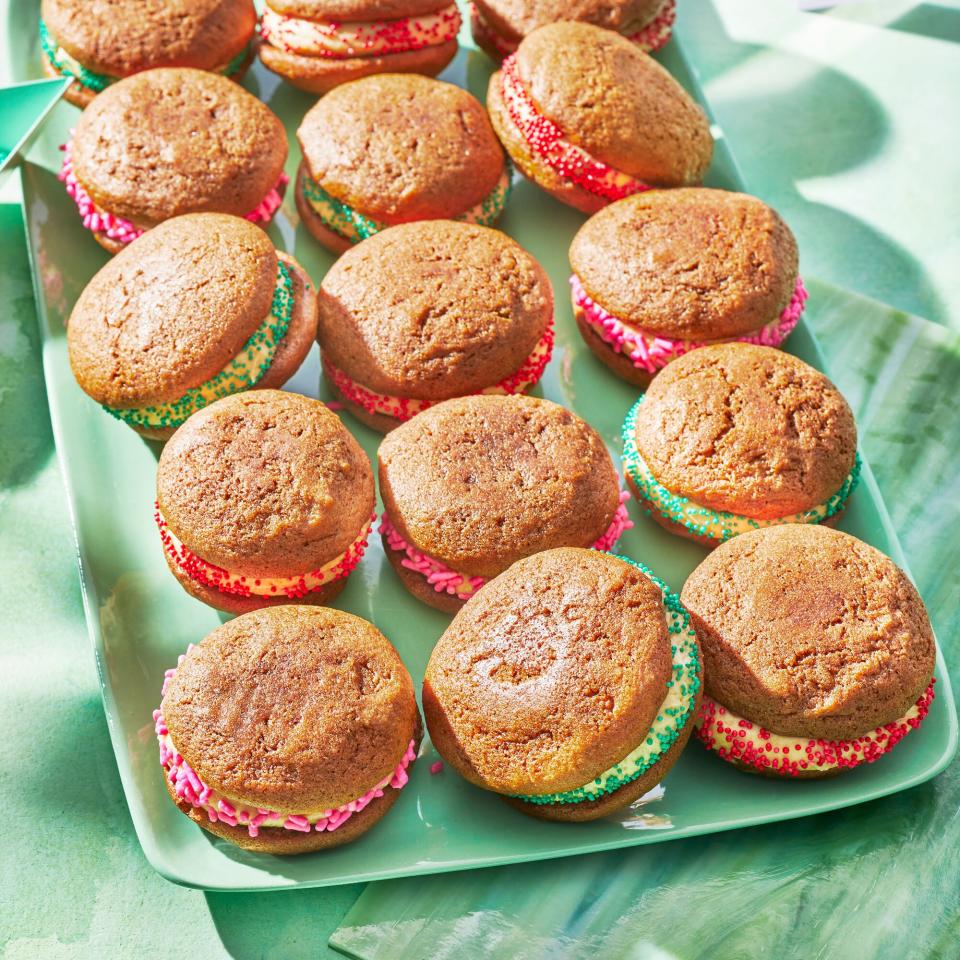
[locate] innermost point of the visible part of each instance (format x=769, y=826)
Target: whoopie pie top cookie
x=474, y=484
x=200, y=307
x=498, y=26
x=818, y=652
x=288, y=729
x=569, y=684
x=660, y=273
x=171, y=141
x=394, y=148
x=318, y=44
x=97, y=42
x=590, y=118
x=736, y=436
x=431, y=310
x=263, y=498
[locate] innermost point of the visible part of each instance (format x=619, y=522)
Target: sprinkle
x=295, y=587
x=436, y=767
x=653, y=353
x=337, y=40
x=735, y=742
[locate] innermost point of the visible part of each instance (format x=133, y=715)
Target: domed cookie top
x=172, y=141
x=431, y=310
x=395, y=148
x=101, y=41
x=549, y=684
x=479, y=482
x=294, y=725
x=591, y=118
x=264, y=485
x=734, y=435
x=809, y=635
x=199, y=307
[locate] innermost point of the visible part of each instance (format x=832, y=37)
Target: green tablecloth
x=875, y=880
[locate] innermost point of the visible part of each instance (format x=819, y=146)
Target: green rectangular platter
x=139, y=619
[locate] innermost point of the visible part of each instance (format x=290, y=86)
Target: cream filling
x=735, y=738
x=354, y=226
x=241, y=585
x=340, y=40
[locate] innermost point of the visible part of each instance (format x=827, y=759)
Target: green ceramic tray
x=140, y=620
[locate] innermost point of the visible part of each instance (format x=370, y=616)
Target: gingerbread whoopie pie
x=97, y=42
x=317, y=44
x=392, y=149
x=431, y=310
x=733, y=437
x=817, y=649
x=498, y=26
x=200, y=307
x=589, y=117
x=568, y=685
x=663, y=272
x=263, y=498
x=171, y=141
x=288, y=730
x=474, y=484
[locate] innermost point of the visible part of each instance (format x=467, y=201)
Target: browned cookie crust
x=172, y=141
x=293, y=709
x=121, y=37
x=551, y=675
x=433, y=310
x=746, y=429
x=514, y=19
x=689, y=264
x=265, y=484
x=399, y=147
x=621, y=365
x=810, y=632
x=480, y=482
x=321, y=74
x=616, y=102
x=312, y=221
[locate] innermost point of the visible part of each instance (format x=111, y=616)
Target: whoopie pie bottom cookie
x=317, y=55
x=338, y=225
x=113, y=232
x=288, y=730
x=636, y=355
x=569, y=686
x=683, y=516
x=649, y=36
x=818, y=652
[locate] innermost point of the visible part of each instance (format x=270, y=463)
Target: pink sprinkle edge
x=123, y=231
x=445, y=580
x=659, y=351
x=189, y=787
